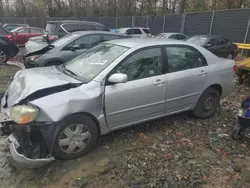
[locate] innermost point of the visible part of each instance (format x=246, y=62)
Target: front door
x=143, y=96
x=186, y=77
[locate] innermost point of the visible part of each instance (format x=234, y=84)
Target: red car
x=22, y=34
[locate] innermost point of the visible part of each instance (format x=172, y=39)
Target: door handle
x=202, y=73
x=159, y=82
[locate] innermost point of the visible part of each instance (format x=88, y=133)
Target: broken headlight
x=23, y=114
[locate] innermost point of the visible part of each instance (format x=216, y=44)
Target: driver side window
x=183, y=58
x=142, y=64
x=85, y=42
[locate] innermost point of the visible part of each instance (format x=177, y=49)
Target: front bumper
x=23, y=160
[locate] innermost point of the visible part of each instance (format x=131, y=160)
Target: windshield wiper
x=69, y=71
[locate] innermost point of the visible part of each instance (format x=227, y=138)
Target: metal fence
x=232, y=24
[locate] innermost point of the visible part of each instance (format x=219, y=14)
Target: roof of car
x=97, y=32
x=132, y=42
x=74, y=21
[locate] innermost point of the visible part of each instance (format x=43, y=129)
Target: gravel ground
x=174, y=152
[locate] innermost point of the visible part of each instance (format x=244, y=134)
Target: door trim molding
x=183, y=97
x=137, y=107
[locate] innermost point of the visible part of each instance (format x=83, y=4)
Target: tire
x=231, y=55
x=207, y=104
x=4, y=56
x=63, y=148
x=54, y=63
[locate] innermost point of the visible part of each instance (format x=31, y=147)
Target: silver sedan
x=61, y=111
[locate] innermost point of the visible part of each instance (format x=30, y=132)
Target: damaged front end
x=27, y=144
x=29, y=140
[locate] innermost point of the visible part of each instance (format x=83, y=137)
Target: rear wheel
x=231, y=56
x=207, y=104
x=4, y=57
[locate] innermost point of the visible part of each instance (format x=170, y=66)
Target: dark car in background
x=216, y=44
x=22, y=34
x=177, y=36
x=11, y=26
x=66, y=48
x=8, y=47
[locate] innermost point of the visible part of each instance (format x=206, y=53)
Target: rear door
x=22, y=36
x=186, y=77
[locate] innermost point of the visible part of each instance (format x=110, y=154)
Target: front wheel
x=4, y=57
x=207, y=104
x=76, y=136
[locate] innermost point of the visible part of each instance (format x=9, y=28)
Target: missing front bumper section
x=22, y=159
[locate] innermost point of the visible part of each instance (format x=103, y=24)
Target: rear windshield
x=198, y=40
x=51, y=28
x=146, y=31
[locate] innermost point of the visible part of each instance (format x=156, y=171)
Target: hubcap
x=74, y=138
x=2, y=56
x=208, y=103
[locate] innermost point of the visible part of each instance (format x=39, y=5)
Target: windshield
x=64, y=40
x=199, y=40
x=92, y=62
x=51, y=28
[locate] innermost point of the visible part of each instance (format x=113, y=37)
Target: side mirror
x=118, y=78
x=75, y=47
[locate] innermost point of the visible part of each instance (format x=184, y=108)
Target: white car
x=135, y=32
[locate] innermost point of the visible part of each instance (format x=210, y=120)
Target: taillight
x=9, y=38
x=235, y=68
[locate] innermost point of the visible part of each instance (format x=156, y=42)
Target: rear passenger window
x=24, y=30
x=147, y=31
x=183, y=58
x=36, y=31
x=137, y=31
x=84, y=27
x=70, y=27
x=130, y=32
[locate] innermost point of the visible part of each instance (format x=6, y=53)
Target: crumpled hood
x=35, y=47
x=47, y=80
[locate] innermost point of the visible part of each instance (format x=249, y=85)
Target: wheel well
x=90, y=116
x=217, y=87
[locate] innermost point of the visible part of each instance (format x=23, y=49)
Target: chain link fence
x=232, y=24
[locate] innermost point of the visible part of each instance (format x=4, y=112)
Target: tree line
x=97, y=8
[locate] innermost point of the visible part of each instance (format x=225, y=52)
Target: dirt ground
x=174, y=152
